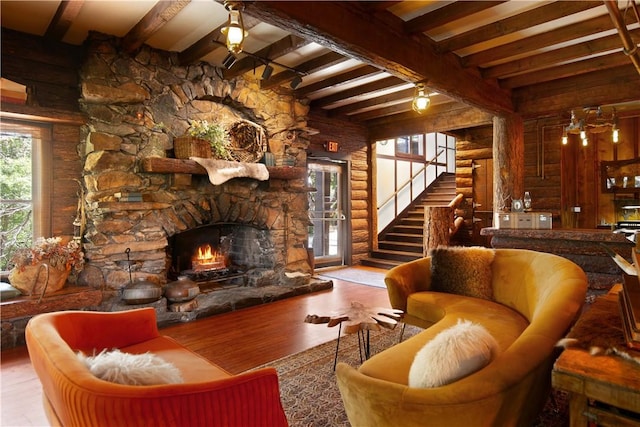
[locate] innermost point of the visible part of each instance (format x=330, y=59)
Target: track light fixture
x=229, y=60
x=234, y=31
x=296, y=81
x=266, y=73
x=421, y=99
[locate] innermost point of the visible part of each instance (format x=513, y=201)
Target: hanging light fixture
x=593, y=122
x=266, y=73
x=234, y=31
x=421, y=99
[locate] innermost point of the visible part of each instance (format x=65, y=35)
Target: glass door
x=327, y=234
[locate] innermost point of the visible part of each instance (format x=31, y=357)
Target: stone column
x=508, y=161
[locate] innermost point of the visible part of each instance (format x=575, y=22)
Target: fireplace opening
x=222, y=254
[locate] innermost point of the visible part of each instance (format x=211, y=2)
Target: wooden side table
x=604, y=390
x=358, y=318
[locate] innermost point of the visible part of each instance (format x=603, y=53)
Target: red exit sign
x=332, y=146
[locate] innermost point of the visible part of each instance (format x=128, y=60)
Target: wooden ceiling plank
x=65, y=14
x=446, y=14
x=347, y=28
x=338, y=79
x=549, y=59
x=371, y=102
x=567, y=70
x=569, y=32
x=281, y=47
x=547, y=12
x=378, y=85
x=611, y=86
x=158, y=15
x=318, y=63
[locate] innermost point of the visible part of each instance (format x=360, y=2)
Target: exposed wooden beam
x=550, y=38
x=547, y=12
x=375, y=86
x=550, y=58
x=158, y=16
x=283, y=46
x=437, y=104
x=446, y=118
x=446, y=14
x=572, y=69
x=346, y=28
x=612, y=86
x=342, y=78
x=67, y=11
x=630, y=46
x=323, y=61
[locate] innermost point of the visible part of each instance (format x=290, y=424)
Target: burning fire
x=207, y=258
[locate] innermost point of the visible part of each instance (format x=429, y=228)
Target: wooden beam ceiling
x=345, y=28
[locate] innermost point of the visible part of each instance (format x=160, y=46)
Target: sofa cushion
x=454, y=353
x=462, y=271
x=131, y=369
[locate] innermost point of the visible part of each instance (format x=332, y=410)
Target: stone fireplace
x=135, y=106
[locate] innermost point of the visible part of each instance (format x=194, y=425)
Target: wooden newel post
x=437, y=220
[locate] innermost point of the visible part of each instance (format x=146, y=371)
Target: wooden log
x=437, y=220
x=508, y=160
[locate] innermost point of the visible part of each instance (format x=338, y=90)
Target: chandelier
x=593, y=122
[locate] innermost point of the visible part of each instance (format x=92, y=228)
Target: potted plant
x=214, y=140
x=44, y=267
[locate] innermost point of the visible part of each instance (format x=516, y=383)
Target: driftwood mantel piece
x=185, y=166
x=582, y=246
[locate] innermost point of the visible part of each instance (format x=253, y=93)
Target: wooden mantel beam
x=381, y=40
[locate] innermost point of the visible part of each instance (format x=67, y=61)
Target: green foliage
x=216, y=134
x=16, y=226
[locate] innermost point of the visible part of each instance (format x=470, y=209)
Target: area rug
x=356, y=275
x=311, y=398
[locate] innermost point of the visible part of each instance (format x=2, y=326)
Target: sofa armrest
x=406, y=279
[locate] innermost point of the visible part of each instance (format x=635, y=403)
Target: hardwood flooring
x=236, y=341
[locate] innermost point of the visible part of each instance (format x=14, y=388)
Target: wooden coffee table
x=358, y=318
x=604, y=390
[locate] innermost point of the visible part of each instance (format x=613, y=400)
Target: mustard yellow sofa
x=73, y=396
x=536, y=298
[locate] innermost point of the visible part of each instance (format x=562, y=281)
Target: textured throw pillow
x=131, y=369
x=454, y=353
x=462, y=271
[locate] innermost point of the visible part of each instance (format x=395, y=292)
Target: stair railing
x=394, y=196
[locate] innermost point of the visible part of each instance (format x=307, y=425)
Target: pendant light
x=421, y=99
x=234, y=31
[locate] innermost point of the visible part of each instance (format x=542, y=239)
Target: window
x=25, y=183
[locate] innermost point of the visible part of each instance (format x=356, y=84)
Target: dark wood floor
x=236, y=341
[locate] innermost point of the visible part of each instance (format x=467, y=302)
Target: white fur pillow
x=131, y=369
x=454, y=353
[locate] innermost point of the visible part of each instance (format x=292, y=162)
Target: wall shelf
x=169, y=165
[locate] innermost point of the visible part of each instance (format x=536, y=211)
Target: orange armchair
x=209, y=395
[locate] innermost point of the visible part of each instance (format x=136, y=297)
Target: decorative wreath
x=248, y=141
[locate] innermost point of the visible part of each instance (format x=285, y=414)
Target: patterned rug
x=310, y=395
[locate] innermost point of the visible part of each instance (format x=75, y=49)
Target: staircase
x=403, y=241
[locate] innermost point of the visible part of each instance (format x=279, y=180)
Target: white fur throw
x=221, y=171
x=131, y=369
x=454, y=353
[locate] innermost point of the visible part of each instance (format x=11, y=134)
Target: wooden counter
x=582, y=246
